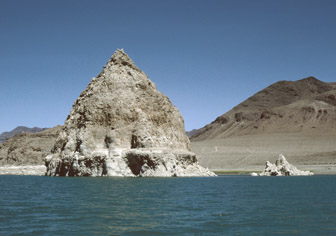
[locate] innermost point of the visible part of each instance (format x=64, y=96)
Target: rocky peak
x=310, y=79
x=119, y=60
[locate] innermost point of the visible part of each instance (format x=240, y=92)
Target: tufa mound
x=282, y=168
x=121, y=125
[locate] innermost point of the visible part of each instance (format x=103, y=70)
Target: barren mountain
x=191, y=132
x=296, y=118
x=282, y=107
x=28, y=148
x=18, y=130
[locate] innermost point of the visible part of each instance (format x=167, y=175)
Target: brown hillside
x=297, y=119
x=283, y=107
x=28, y=148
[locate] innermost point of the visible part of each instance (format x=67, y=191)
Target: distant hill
x=285, y=106
x=191, y=132
x=19, y=130
x=295, y=118
x=28, y=148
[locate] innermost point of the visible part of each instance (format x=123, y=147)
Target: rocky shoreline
x=39, y=170
x=23, y=170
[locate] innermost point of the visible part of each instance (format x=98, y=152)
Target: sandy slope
x=283, y=107
x=250, y=152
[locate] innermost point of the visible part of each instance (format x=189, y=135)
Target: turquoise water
x=225, y=205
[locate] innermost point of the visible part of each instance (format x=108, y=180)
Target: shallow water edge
x=39, y=170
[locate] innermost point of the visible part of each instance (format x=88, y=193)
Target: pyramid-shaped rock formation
x=121, y=125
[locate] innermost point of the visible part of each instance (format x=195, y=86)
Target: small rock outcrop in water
x=121, y=125
x=282, y=168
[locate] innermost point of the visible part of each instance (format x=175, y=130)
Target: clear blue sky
x=206, y=56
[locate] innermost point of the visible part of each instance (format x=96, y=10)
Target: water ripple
x=228, y=205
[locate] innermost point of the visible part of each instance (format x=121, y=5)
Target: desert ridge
x=296, y=118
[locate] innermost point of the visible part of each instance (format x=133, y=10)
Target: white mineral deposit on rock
x=121, y=125
x=23, y=170
x=282, y=168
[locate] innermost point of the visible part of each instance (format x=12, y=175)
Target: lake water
x=224, y=205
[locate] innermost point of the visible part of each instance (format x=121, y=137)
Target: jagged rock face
x=119, y=112
x=282, y=168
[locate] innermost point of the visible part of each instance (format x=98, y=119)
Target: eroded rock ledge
x=128, y=163
x=121, y=125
